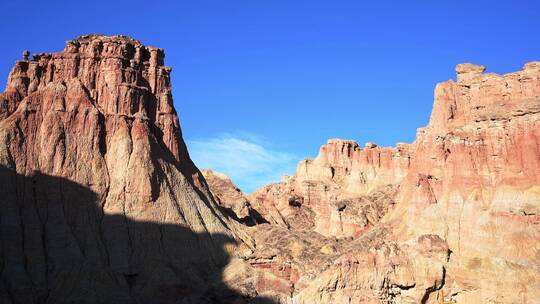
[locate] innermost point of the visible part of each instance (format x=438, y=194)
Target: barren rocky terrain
x=101, y=203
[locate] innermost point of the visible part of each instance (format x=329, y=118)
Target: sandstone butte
x=100, y=202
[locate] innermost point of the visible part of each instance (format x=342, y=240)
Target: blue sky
x=260, y=85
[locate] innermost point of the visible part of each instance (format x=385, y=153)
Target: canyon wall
x=470, y=180
x=100, y=202
x=475, y=182
x=342, y=192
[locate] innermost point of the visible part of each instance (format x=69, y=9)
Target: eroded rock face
x=293, y=263
x=465, y=198
x=342, y=192
x=231, y=199
x=382, y=272
x=100, y=202
x=474, y=182
x=326, y=242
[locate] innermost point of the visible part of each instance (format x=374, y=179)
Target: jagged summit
x=117, y=74
x=114, y=38
x=83, y=42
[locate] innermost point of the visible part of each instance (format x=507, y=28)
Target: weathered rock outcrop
x=226, y=193
x=379, y=271
x=292, y=262
x=470, y=181
x=342, y=192
x=231, y=199
x=100, y=202
x=342, y=196
x=475, y=182
x=323, y=242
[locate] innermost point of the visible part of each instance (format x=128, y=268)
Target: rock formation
x=468, y=184
x=342, y=192
x=358, y=260
x=475, y=182
x=231, y=199
x=100, y=200
x=328, y=231
x=101, y=203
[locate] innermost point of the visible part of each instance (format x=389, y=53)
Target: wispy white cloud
x=247, y=159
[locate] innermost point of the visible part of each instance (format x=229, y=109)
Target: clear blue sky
x=261, y=84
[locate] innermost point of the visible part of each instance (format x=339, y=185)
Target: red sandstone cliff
x=470, y=181
x=475, y=182
x=342, y=192
x=100, y=202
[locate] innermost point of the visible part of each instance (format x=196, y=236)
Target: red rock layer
x=475, y=181
x=122, y=79
x=99, y=199
x=470, y=180
x=329, y=193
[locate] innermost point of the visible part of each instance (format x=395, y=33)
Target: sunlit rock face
x=230, y=199
x=226, y=193
x=470, y=180
x=342, y=192
x=475, y=182
x=100, y=202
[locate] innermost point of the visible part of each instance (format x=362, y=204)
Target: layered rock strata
x=100, y=202
x=294, y=263
x=469, y=181
x=475, y=182
x=342, y=192
x=231, y=199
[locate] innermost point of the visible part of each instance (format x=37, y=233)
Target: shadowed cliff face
x=57, y=246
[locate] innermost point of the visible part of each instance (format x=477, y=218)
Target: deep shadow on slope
x=57, y=246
